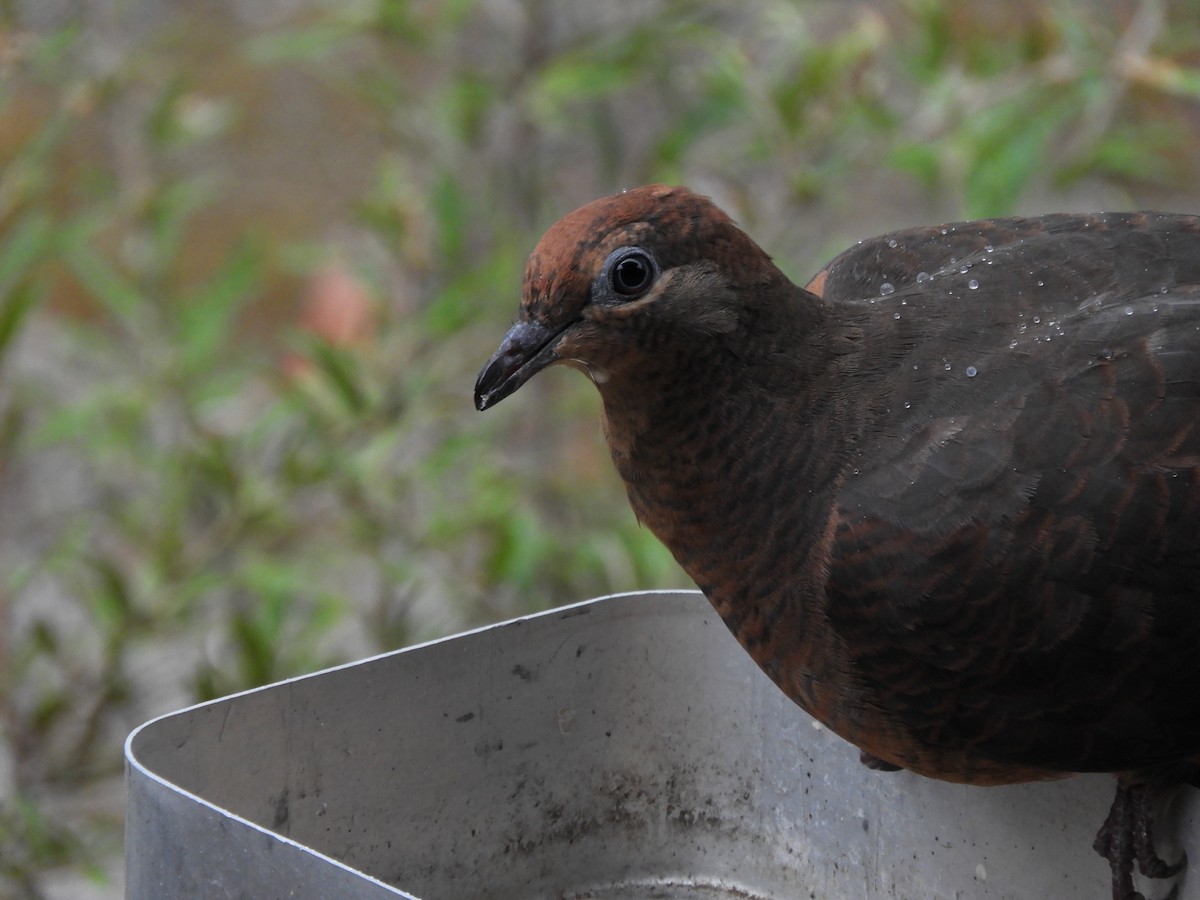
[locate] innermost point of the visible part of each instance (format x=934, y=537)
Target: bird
x=946, y=494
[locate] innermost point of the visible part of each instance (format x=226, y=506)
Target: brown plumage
x=947, y=496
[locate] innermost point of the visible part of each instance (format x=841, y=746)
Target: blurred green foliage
x=207, y=484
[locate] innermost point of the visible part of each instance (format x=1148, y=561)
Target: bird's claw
x=1127, y=836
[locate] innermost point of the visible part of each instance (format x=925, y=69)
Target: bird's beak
x=525, y=351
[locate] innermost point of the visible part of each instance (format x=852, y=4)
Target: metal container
x=622, y=748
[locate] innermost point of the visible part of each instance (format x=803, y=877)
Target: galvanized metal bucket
x=620, y=748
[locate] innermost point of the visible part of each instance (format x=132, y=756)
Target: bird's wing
x=1065, y=255
x=1019, y=550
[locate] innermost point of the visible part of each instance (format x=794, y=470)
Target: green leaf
x=255, y=647
x=115, y=293
x=343, y=374
x=519, y=547
x=311, y=44
x=113, y=601
x=452, y=213
x=724, y=97
x=594, y=72
x=1008, y=145
x=934, y=39
x=1171, y=78
x=168, y=214
x=468, y=103
x=922, y=161
x=458, y=303
x=13, y=312
x=568, y=79
x=24, y=247
x=1144, y=152
x=207, y=315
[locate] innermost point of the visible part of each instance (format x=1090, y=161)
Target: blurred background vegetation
x=253, y=252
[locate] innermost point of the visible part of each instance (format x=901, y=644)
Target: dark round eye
x=631, y=273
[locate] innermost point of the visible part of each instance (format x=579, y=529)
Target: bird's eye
x=631, y=272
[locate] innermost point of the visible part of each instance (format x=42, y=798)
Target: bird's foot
x=871, y=761
x=1127, y=835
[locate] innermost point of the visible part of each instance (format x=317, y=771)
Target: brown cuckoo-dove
x=947, y=495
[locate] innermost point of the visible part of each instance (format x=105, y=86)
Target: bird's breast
x=746, y=508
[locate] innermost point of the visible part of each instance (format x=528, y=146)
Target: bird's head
x=623, y=279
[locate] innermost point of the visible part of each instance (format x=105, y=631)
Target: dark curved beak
x=524, y=352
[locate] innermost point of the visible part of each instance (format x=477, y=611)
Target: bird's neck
x=711, y=439
x=713, y=463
